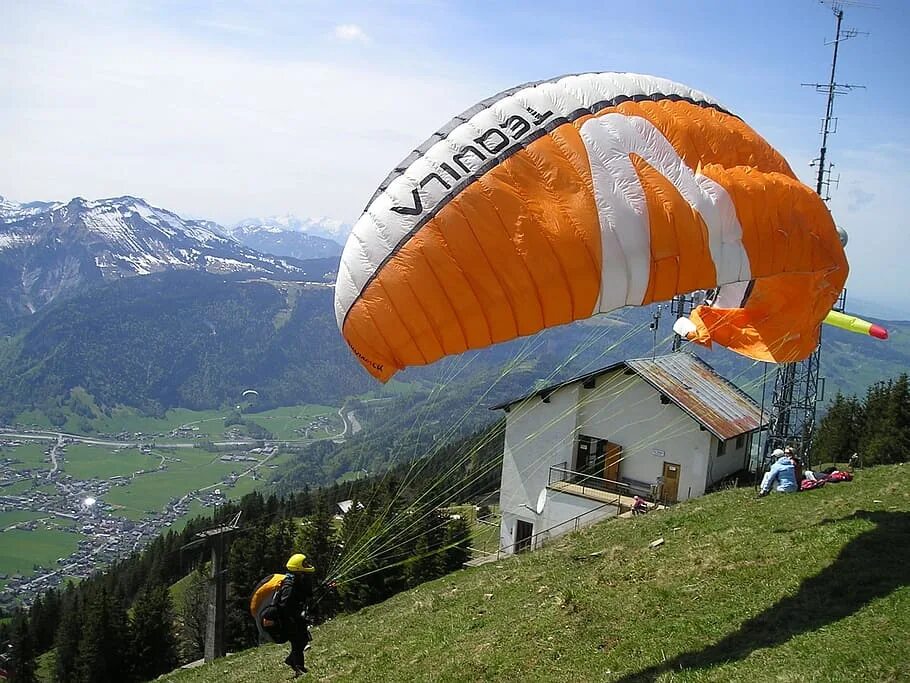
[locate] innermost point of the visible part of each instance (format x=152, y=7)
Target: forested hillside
x=182, y=339
x=197, y=340
x=125, y=625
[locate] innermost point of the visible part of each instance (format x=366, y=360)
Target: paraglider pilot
x=291, y=599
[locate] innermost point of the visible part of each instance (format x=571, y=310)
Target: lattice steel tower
x=796, y=385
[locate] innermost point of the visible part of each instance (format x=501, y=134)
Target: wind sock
x=853, y=324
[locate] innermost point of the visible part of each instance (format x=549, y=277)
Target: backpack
x=264, y=612
x=840, y=476
x=807, y=484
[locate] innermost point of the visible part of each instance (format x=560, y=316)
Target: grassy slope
x=808, y=587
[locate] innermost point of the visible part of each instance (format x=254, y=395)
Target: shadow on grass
x=871, y=566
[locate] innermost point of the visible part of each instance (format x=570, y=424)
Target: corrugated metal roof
x=693, y=385
x=690, y=383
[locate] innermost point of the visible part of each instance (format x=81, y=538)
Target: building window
x=721, y=448
x=740, y=440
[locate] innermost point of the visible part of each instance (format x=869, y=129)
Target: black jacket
x=292, y=596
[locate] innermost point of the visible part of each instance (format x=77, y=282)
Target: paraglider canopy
x=250, y=393
x=558, y=200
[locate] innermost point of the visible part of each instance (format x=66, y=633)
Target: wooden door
x=671, y=482
x=611, y=464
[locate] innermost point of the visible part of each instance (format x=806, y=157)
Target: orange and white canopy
x=558, y=200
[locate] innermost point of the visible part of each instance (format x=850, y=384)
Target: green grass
x=178, y=589
x=46, y=665
x=241, y=487
x=34, y=418
x=806, y=587
x=151, y=492
x=128, y=420
x=485, y=537
x=393, y=387
x=23, y=549
x=88, y=462
x=196, y=509
x=19, y=487
x=14, y=516
x=281, y=422
x=31, y=455
x=356, y=475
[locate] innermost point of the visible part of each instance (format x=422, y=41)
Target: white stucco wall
x=626, y=410
x=733, y=460
x=563, y=506
x=621, y=408
x=538, y=436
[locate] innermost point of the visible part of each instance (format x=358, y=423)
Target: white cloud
x=350, y=33
x=206, y=129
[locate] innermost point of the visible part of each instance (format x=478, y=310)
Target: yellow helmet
x=298, y=563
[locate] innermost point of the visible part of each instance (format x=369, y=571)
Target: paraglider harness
x=269, y=618
x=272, y=624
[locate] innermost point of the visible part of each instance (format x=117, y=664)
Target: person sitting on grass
x=782, y=473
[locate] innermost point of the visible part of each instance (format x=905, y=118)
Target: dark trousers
x=299, y=638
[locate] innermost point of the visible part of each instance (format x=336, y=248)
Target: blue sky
x=227, y=110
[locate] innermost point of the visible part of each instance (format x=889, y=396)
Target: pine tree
x=318, y=538
x=102, y=645
x=888, y=425
x=874, y=407
x=152, y=643
x=69, y=632
x=837, y=436
x=22, y=652
x=43, y=628
x=426, y=548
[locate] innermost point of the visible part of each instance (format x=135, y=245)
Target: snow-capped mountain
x=49, y=248
x=291, y=236
x=12, y=211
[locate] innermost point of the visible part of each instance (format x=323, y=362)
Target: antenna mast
x=796, y=385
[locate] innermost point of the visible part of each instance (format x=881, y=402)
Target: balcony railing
x=591, y=485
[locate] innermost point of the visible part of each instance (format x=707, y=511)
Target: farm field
x=16, y=516
x=29, y=455
x=187, y=470
x=127, y=420
x=127, y=479
x=92, y=462
x=196, y=509
x=21, y=550
x=291, y=423
x=17, y=488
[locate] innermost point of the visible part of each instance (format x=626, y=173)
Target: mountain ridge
x=324, y=227
x=291, y=236
x=48, y=249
